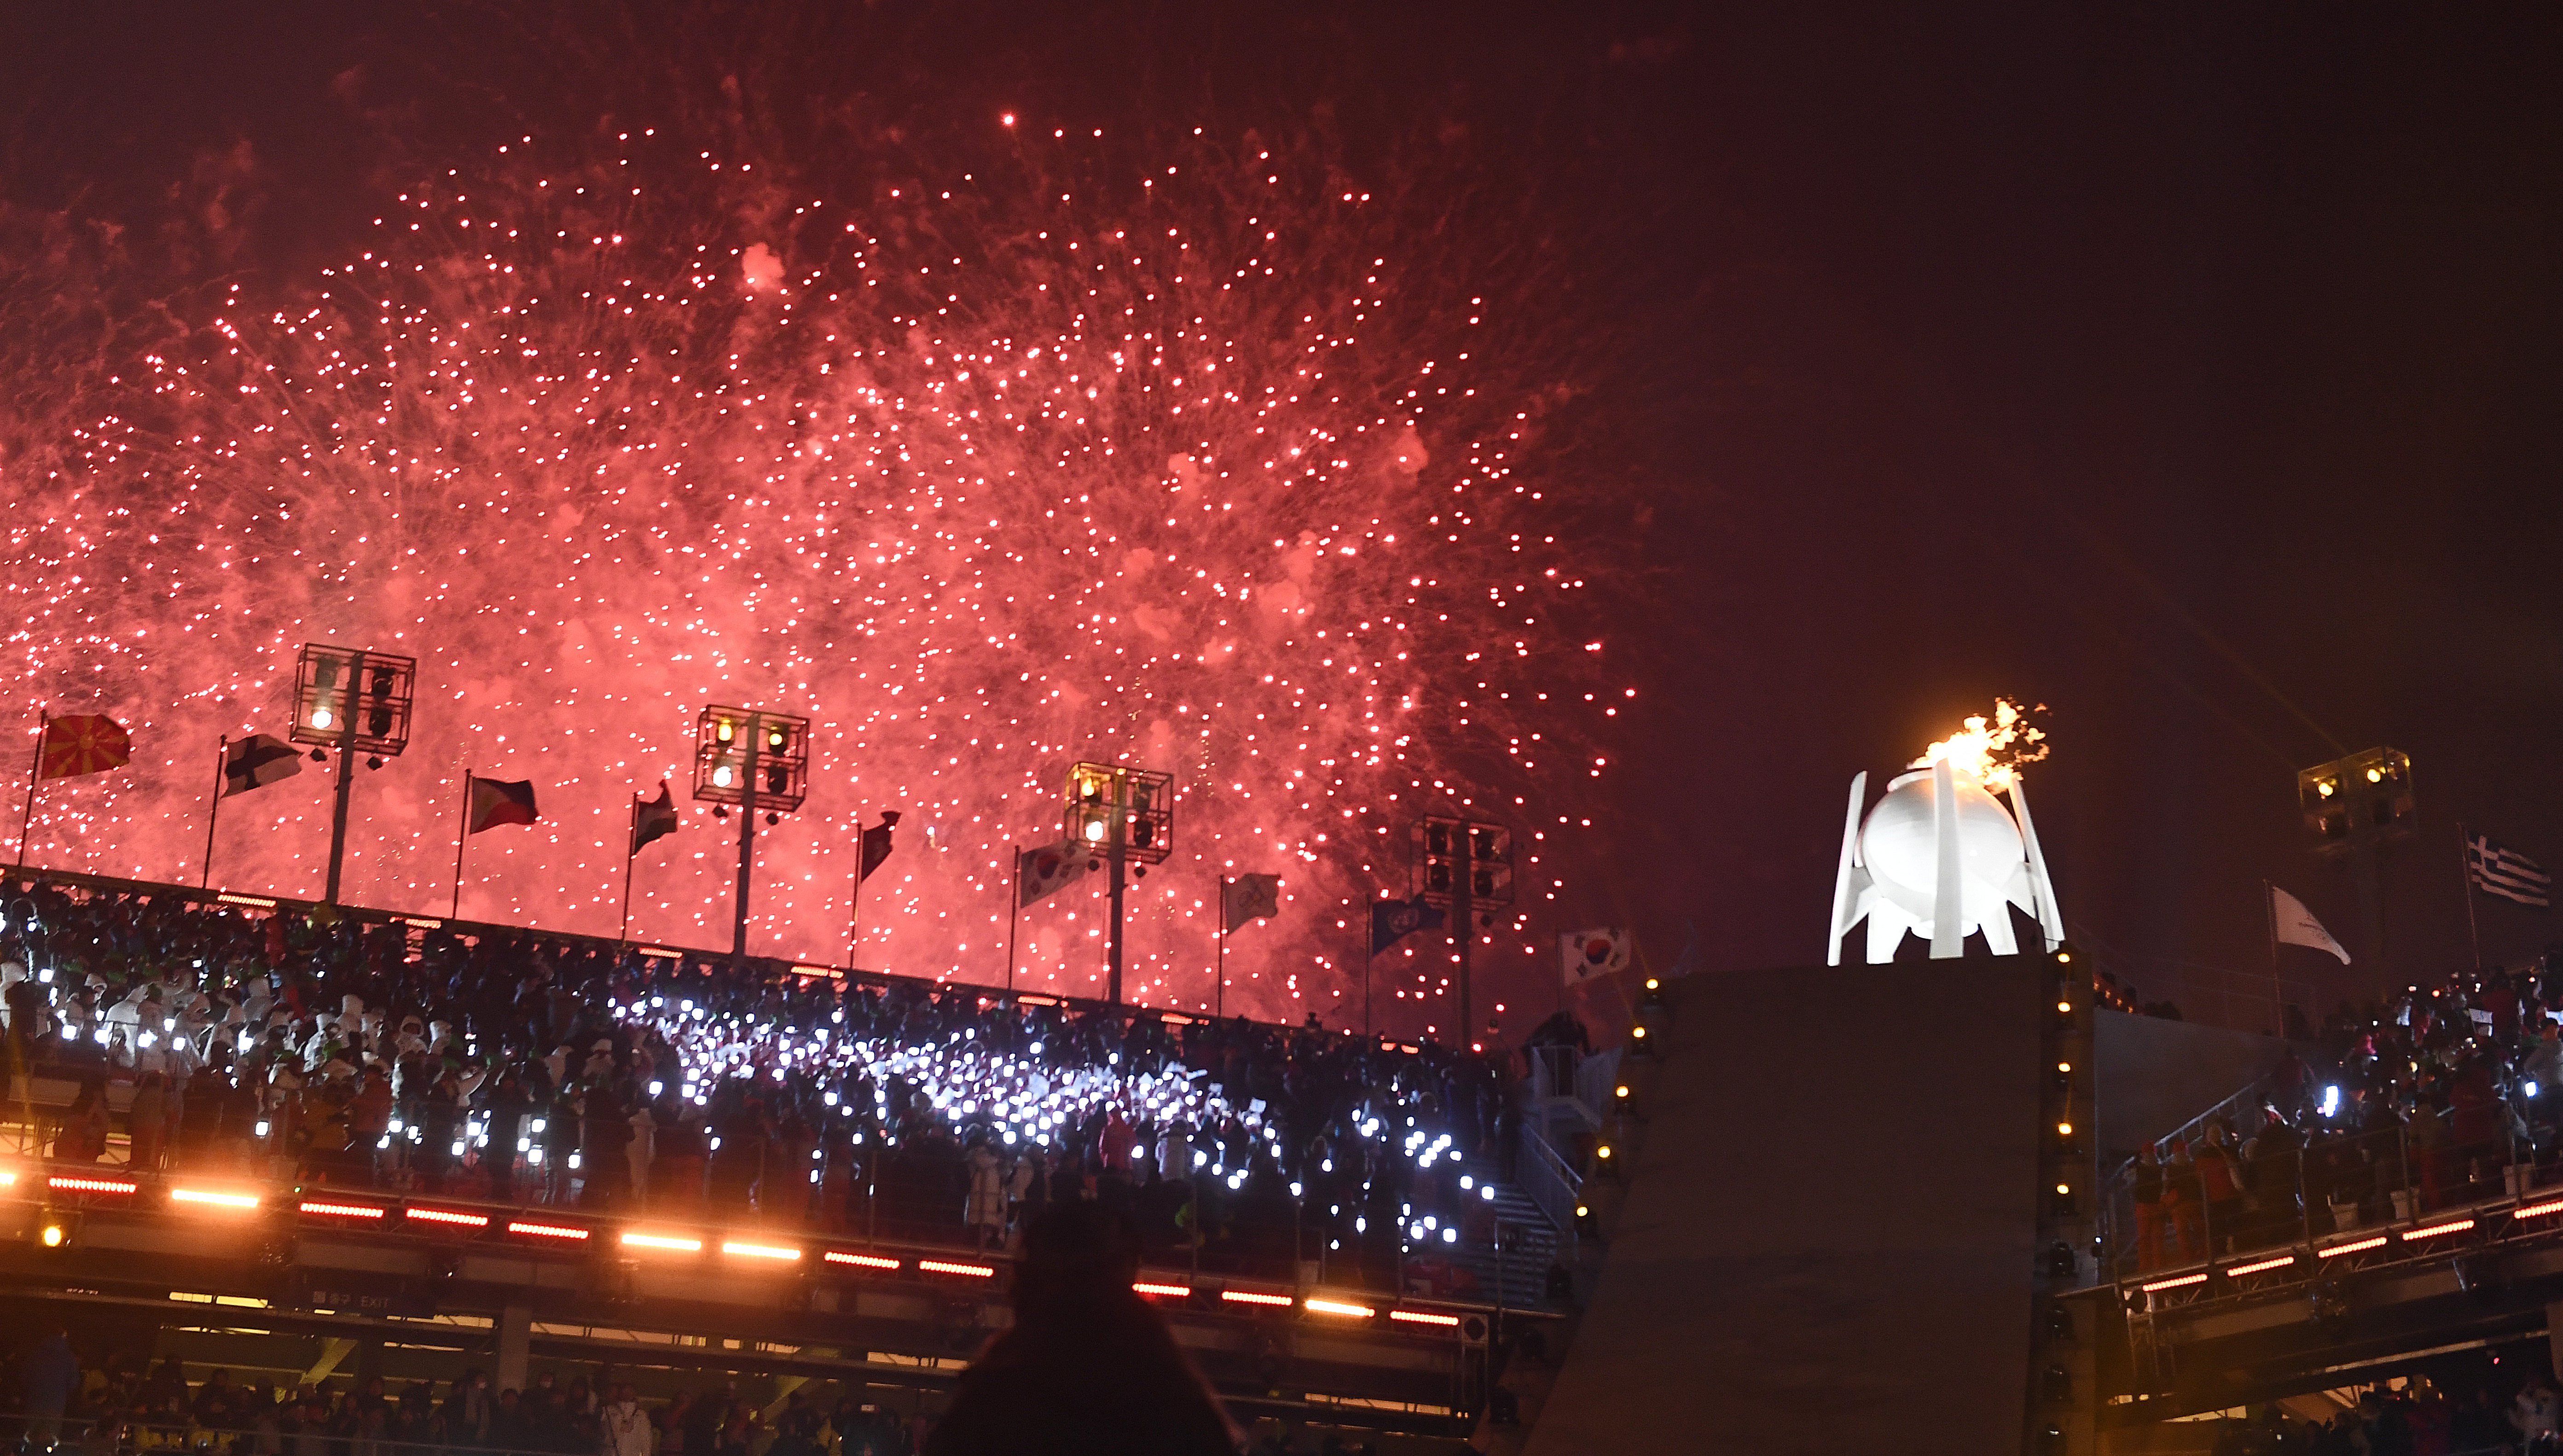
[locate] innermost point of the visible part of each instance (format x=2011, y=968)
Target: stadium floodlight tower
x=2353, y=808
x=1121, y=814
x=356, y=702
x=756, y=761
x=1466, y=868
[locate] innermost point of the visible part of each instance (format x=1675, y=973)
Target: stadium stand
x=478, y=1104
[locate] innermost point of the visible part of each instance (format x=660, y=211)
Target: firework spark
x=1219, y=466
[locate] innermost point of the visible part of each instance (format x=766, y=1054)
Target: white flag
x=1585, y=954
x=2295, y=925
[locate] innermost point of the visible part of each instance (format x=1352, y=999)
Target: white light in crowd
x=1416, y=1232
x=720, y=776
x=2531, y=1089
x=1467, y=1182
x=261, y=1127
x=1360, y=1224
x=1488, y=1192
x=2331, y=1101
x=534, y=1157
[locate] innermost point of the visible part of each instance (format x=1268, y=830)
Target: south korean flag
x=1050, y=867
x=1584, y=955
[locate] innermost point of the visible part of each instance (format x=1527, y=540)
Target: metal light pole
x=355, y=700
x=1462, y=864
x=1122, y=814
x=753, y=761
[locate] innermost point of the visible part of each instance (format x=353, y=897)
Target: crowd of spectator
x=52, y=1400
x=2437, y=1095
x=2469, y=1408
x=528, y=1066
x=122, y=1406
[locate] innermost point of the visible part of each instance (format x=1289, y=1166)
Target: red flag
x=84, y=743
x=496, y=801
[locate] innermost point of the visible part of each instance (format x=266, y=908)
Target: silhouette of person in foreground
x=1089, y=1369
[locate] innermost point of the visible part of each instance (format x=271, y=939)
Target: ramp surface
x=1828, y=1232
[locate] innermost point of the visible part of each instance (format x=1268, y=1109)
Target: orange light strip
x=547, y=1230
x=938, y=1266
x=262, y=902
x=75, y=1183
x=860, y=1261
x=446, y=1216
x=1037, y=1000
x=2337, y=1250
x=1249, y=1296
x=2182, y=1279
x=219, y=1200
x=1170, y=1291
x=2239, y=1270
x=1419, y=1317
x=2454, y=1225
x=669, y=1242
x=1339, y=1307
x=341, y=1210
x=2539, y=1211
x=762, y=1251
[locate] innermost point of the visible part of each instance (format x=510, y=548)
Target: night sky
x=2191, y=372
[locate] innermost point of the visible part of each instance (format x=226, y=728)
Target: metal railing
x=141, y=1434
x=2245, y=1205
x=1548, y=1178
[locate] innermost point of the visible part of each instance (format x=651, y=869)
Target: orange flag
x=84, y=743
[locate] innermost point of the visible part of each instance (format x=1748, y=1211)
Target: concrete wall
x=1829, y=1233
x=2156, y=1075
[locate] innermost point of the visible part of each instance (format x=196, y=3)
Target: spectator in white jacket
x=623, y=1427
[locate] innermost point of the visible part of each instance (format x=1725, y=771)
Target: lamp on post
x=2353, y=808
x=754, y=760
x=355, y=700
x=1121, y=814
x=1465, y=867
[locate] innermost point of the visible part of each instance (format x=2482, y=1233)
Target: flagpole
x=631, y=854
x=855, y=919
x=1368, y=902
x=1014, y=914
x=2269, y=912
x=461, y=832
x=213, y=811
x=2465, y=880
x=1219, y=992
x=34, y=766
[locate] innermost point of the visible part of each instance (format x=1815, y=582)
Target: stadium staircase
x=1515, y=1275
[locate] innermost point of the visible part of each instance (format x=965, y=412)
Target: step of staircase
x=1531, y=1246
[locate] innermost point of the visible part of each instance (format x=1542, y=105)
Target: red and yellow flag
x=84, y=743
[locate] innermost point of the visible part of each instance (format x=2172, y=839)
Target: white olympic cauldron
x=1941, y=857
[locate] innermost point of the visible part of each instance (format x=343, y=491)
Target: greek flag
x=2498, y=870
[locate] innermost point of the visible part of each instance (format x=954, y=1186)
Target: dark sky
x=2189, y=369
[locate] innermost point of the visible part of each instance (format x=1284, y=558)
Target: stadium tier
x=277, y=1108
